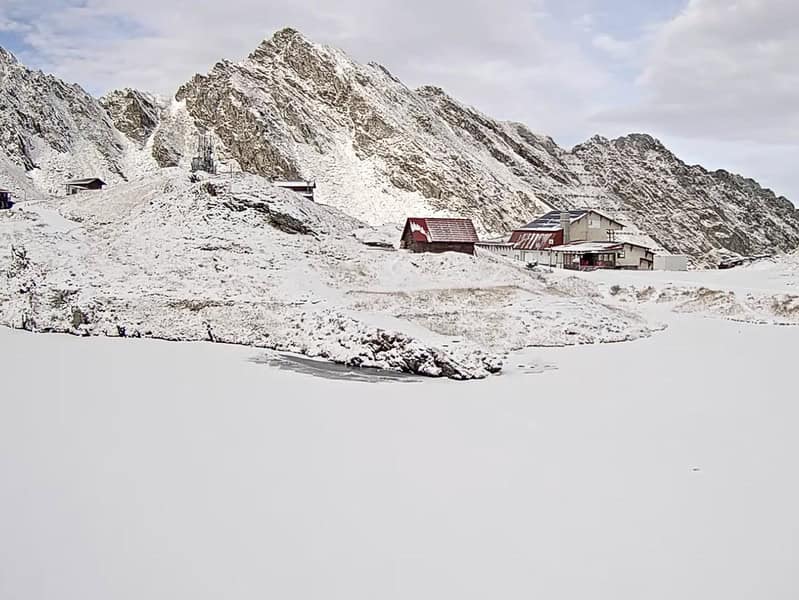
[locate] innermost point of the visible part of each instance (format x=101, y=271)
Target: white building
x=671, y=262
x=577, y=239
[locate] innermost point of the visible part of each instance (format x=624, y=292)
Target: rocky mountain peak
x=55, y=128
x=641, y=144
x=641, y=141
x=7, y=57
x=134, y=113
x=284, y=41
x=286, y=36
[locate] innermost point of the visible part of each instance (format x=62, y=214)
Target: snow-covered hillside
x=381, y=151
x=51, y=132
x=378, y=151
x=238, y=260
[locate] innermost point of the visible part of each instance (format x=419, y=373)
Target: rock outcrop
x=134, y=113
x=54, y=131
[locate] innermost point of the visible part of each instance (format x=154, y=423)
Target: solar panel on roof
x=551, y=220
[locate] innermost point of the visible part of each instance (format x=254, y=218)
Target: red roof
x=433, y=230
x=532, y=240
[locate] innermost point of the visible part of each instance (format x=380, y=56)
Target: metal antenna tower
x=204, y=160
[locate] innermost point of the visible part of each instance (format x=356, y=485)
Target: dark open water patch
x=330, y=370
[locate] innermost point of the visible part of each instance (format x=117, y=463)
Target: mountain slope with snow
x=381, y=151
x=51, y=131
x=684, y=207
x=377, y=150
x=240, y=261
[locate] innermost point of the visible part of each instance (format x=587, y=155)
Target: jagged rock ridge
x=54, y=131
x=685, y=207
x=381, y=151
x=134, y=113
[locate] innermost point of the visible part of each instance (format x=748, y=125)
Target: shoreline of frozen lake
x=661, y=468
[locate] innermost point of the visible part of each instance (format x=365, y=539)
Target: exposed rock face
x=54, y=128
x=378, y=150
x=134, y=113
x=166, y=151
x=381, y=151
x=686, y=208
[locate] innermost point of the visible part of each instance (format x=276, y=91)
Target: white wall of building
x=671, y=262
x=593, y=227
x=632, y=255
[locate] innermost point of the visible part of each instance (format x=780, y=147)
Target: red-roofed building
x=556, y=228
x=536, y=240
x=439, y=235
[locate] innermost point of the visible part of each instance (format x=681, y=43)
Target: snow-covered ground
x=238, y=260
x=658, y=468
x=764, y=292
x=662, y=468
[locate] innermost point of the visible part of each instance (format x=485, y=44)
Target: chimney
x=566, y=224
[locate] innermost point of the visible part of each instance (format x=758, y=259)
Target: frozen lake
x=658, y=469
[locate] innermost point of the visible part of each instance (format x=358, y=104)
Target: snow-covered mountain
x=684, y=207
x=51, y=131
x=380, y=151
x=134, y=113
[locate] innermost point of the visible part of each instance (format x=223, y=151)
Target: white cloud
x=722, y=78
x=612, y=46
x=11, y=26
x=726, y=69
x=585, y=22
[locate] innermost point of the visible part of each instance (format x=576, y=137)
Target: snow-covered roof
x=293, y=184
x=495, y=243
x=588, y=247
x=551, y=220
x=533, y=240
x=86, y=181
x=441, y=230
x=594, y=247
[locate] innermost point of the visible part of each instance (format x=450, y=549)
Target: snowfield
x=236, y=260
x=657, y=468
x=662, y=468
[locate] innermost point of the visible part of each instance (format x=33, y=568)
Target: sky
x=716, y=80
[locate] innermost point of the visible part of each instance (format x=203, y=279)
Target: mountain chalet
x=577, y=239
x=304, y=188
x=439, y=235
x=82, y=185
